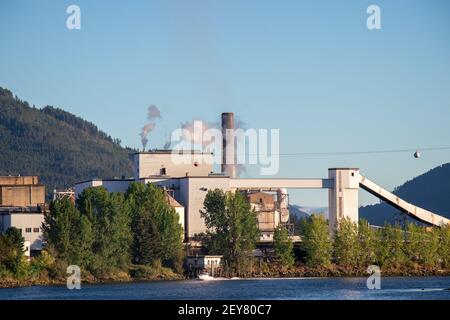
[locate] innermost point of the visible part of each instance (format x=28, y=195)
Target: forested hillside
x=58, y=146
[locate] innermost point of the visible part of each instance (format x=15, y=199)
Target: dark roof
x=184, y=177
x=24, y=210
x=171, y=200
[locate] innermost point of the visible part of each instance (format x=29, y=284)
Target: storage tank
x=283, y=204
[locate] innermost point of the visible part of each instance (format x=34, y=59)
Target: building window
x=28, y=230
x=162, y=171
x=36, y=230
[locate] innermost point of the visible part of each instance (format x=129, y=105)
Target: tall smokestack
x=228, y=145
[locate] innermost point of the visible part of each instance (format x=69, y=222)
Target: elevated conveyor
x=406, y=207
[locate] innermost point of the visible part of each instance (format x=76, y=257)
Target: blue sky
x=310, y=68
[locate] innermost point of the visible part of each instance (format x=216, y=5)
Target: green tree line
x=138, y=234
x=13, y=262
x=357, y=245
x=233, y=232
x=105, y=233
x=108, y=235
x=232, y=229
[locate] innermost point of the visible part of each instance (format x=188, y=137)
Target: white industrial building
x=29, y=223
x=203, y=261
x=188, y=175
x=188, y=185
x=22, y=205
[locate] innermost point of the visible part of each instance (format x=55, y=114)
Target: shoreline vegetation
x=136, y=236
x=121, y=277
x=275, y=273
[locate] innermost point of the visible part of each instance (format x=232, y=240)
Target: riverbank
x=275, y=271
x=120, y=277
x=335, y=271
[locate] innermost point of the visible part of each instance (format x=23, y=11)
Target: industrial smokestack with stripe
x=228, y=145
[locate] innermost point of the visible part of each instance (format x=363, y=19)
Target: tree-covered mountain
x=304, y=212
x=430, y=191
x=56, y=145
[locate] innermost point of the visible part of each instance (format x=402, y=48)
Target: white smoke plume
x=195, y=131
x=152, y=114
x=240, y=124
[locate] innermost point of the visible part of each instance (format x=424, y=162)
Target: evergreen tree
x=69, y=233
x=11, y=249
x=157, y=233
x=232, y=228
x=431, y=256
x=82, y=238
x=283, y=247
x=414, y=243
x=145, y=247
x=316, y=241
x=57, y=227
x=346, y=243
x=16, y=239
x=120, y=224
x=422, y=246
x=444, y=246
x=390, y=248
x=110, y=219
x=216, y=221
x=367, y=240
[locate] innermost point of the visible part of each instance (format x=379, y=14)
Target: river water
x=402, y=288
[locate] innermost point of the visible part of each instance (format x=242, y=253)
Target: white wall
x=116, y=185
x=24, y=221
x=343, y=197
x=110, y=185
x=79, y=187
x=150, y=164
x=204, y=261
x=197, y=189
x=180, y=212
x=27, y=249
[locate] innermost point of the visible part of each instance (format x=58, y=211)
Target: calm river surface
x=274, y=289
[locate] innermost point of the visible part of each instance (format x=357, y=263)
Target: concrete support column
x=343, y=196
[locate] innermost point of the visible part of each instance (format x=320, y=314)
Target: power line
x=337, y=153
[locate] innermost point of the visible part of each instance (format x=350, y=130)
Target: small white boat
x=205, y=277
